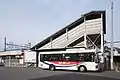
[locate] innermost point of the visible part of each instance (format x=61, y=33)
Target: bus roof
x=67, y=51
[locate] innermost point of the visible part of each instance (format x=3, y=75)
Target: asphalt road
x=38, y=74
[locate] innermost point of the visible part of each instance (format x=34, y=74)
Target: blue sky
x=34, y=20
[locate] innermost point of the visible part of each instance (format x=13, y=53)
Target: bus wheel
x=52, y=67
x=82, y=69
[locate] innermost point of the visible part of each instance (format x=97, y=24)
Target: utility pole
x=5, y=44
x=112, y=66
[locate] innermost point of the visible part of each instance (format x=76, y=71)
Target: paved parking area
x=39, y=74
x=26, y=73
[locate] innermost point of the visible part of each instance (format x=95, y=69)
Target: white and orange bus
x=81, y=60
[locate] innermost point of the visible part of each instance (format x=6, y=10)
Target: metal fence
x=12, y=61
x=116, y=50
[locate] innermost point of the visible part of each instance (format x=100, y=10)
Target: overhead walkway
x=84, y=32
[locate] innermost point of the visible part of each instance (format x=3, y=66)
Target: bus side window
x=43, y=57
x=50, y=59
x=81, y=58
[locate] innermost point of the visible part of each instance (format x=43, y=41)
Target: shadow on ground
x=75, y=71
x=74, y=77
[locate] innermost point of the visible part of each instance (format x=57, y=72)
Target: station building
x=17, y=58
x=12, y=58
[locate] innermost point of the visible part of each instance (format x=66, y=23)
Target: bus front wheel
x=82, y=69
x=52, y=67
